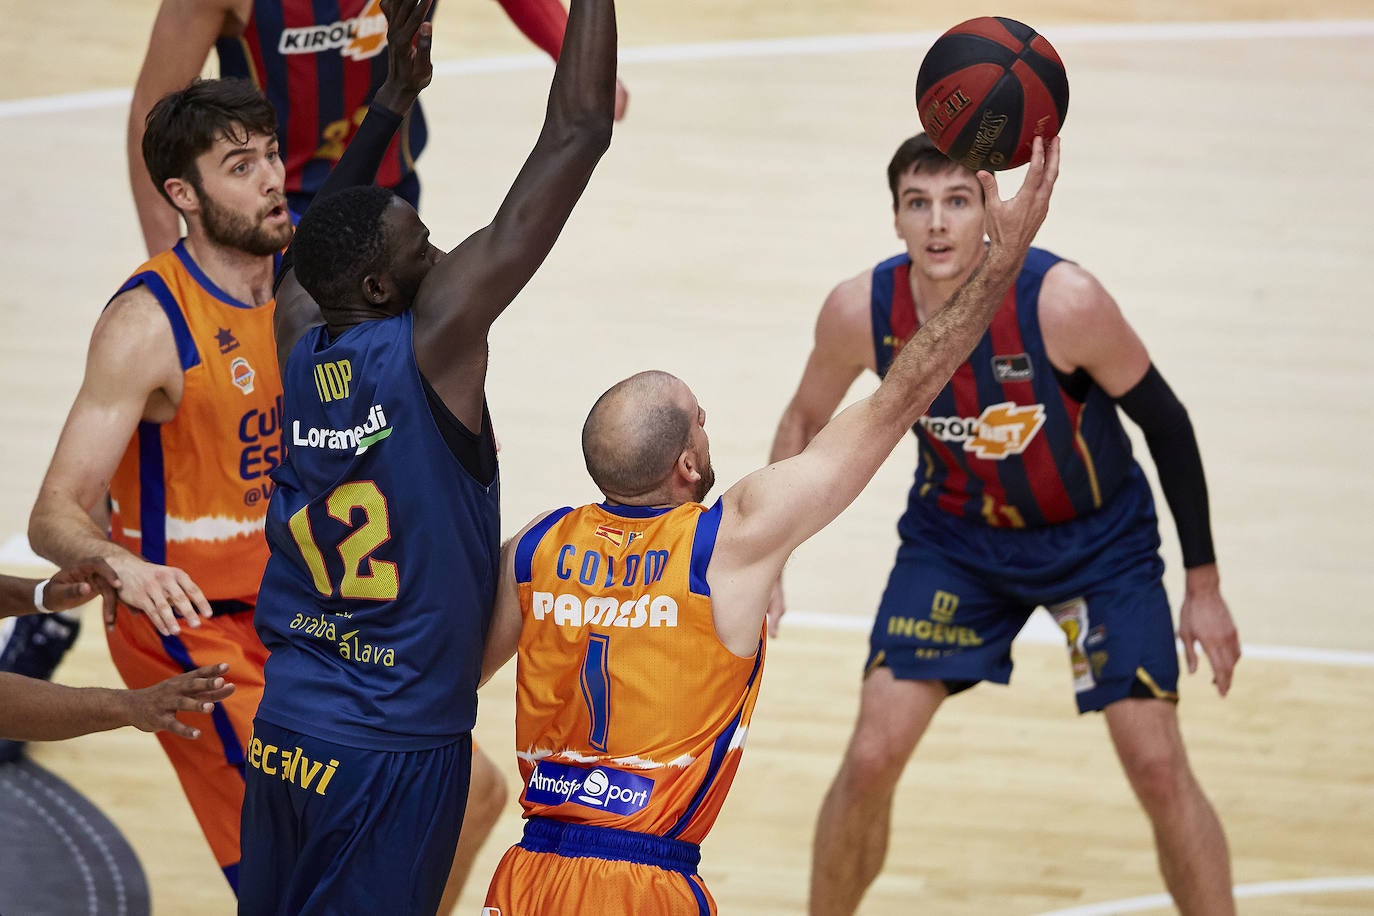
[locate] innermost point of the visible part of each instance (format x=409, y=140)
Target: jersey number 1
x=380, y=582
x=596, y=689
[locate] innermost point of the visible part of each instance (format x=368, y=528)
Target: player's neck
x=245, y=277
x=930, y=296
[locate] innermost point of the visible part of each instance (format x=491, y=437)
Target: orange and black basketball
x=987, y=88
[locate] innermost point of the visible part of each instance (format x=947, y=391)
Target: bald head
x=636, y=431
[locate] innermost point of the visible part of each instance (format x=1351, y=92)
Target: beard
x=707, y=481
x=234, y=230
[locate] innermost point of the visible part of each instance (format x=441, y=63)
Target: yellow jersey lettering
x=331, y=380
x=267, y=754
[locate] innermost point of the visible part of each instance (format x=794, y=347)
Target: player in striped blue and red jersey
x=1026, y=494
x=318, y=63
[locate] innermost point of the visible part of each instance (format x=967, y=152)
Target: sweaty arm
x=768, y=513
x=132, y=374
x=183, y=34
x=472, y=285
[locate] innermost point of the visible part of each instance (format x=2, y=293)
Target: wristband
x=38, y=596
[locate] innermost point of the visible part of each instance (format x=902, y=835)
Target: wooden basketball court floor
x=1215, y=178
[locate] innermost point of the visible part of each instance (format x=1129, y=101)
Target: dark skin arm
x=34, y=710
x=68, y=588
x=471, y=286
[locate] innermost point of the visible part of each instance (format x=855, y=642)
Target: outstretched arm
x=35, y=710
x=409, y=71
x=472, y=285
x=770, y=512
x=68, y=588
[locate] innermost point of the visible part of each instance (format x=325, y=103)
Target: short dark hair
x=340, y=240
x=919, y=151
x=186, y=123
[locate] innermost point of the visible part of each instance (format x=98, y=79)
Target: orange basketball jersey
x=630, y=712
x=193, y=492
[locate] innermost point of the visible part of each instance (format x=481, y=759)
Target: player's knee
x=1161, y=778
x=873, y=764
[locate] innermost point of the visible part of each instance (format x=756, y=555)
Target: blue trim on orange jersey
x=228, y=738
x=703, y=905
x=612, y=844
x=634, y=511
x=187, y=351
x=703, y=546
x=718, y=751
x=192, y=268
x=524, y=550
x=152, y=498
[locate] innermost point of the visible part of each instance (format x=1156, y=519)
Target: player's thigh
x=1119, y=632
x=529, y=883
x=939, y=620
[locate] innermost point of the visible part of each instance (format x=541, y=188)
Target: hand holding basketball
x=1011, y=224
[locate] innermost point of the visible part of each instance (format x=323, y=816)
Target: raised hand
x=1012, y=223
x=408, y=43
x=155, y=708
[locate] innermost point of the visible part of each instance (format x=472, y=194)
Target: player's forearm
x=34, y=710
x=542, y=21
x=925, y=364
x=582, y=97
x=63, y=533
x=157, y=220
x=16, y=596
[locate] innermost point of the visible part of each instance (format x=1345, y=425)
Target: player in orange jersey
x=621, y=609
x=177, y=419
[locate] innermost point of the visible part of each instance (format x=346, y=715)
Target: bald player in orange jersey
x=639, y=621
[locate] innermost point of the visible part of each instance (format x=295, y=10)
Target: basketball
x=987, y=88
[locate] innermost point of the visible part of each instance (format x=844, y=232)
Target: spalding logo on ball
x=987, y=88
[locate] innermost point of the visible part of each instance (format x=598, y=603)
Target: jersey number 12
x=380, y=582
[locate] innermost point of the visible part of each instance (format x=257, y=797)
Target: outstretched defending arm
x=770, y=512
x=473, y=284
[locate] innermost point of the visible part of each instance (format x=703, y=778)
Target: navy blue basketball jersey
x=378, y=593
x=1005, y=443
x=319, y=62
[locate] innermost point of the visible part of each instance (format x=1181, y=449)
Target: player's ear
x=182, y=194
x=376, y=289
x=687, y=466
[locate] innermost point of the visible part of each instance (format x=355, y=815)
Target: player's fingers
x=216, y=695
x=1052, y=162
x=109, y=608
x=60, y=596
x=156, y=609
x=1035, y=174
x=194, y=593
x=1222, y=666
x=1189, y=650
x=414, y=14
x=178, y=727
x=989, y=183
x=183, y=606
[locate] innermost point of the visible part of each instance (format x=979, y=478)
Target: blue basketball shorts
x=329, y=828
x=960, y=592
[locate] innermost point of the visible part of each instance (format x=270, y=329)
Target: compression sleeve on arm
x=1154, y=407
x=542, y=21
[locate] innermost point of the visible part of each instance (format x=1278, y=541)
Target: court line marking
x=1242, y=891
x=804, y=46
x=1040, y=630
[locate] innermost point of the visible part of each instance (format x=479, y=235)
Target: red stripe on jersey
x=303, y=89
x=964, y=386
x=1051, y=496
x=903, y=313
x=1005, y=334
